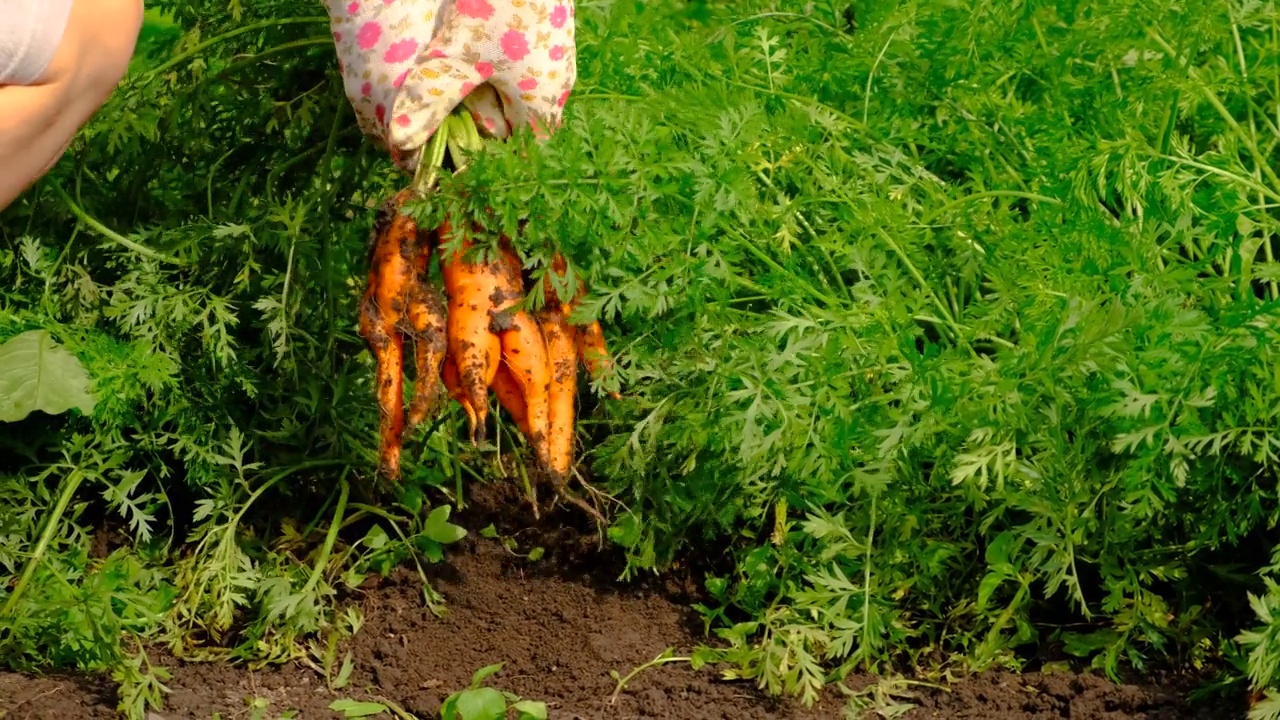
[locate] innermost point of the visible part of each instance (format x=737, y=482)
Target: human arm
x=39, y=119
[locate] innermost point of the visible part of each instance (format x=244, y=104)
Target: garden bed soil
x=561, y=625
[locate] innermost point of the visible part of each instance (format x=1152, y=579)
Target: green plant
x=480, y=702
x=475, y=702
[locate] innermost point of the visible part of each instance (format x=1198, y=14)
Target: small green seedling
x=534, y=555
x=478, y=702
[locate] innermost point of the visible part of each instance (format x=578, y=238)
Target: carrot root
x=475, y=349
x=511, y=398
x=429, y=329
x=563, y=361
x=391, y=277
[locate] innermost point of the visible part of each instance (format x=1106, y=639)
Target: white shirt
x=30, y=32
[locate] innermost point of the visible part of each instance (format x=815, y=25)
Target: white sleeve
x=30, y=33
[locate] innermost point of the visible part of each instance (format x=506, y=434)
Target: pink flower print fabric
x=406, y=64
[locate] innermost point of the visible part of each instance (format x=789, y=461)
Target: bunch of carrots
x=479, y=338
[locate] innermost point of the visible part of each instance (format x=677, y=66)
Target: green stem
x=924, y=284
x=253, y=497
x=866, y=92
x=1245, y=181
x=987, y=194
x=773, y=264
x=331, y=537
x=276, y=50
x=213, y=173
x=667, y=656
x=107, y=232
x=431, y=159
x=326, y=236
x=66, y=491
x=789, y=16
x=866, y=568
x=175, y=60
x=804, y=222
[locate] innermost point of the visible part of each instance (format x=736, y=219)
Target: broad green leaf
x=481, y=704
x=438, y=527
x=36, y=373
x=530, y=710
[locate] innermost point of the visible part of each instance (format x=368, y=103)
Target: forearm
x=37, y=124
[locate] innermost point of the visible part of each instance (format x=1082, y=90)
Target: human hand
x=406, y=64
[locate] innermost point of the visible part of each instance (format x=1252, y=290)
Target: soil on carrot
x=560, y=625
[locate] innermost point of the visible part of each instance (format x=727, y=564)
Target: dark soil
x=560, y=625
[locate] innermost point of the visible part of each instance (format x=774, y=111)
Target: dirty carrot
x=562, y=356
x=594, y=352
x=474, y=348
x=588, y=338
x=511, y=397
x=390, y=277
x=524, y=351
x=429, y=330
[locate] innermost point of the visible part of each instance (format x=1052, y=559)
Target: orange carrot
x=511, y=397
x=594, y=352
x=429, y=331
x=563, y=360
x=475, y=349
x=452, y=383
x=524, y=351
x=589, y=338
x=390, y=277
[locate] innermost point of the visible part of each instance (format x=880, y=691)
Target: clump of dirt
x=559, y=625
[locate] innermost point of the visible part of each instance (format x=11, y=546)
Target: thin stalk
x=213, y=172
x=66, y=490
x=331, y=537
x=107, y=232
x=866, y=567
x=1259, y=161
x=270, y=483
x=430, y=160
x=773, y=264
x=180, y=57
x=924, y=284
x=326, y=233
x=431, y=595
x=804, y=222
x=275, y=50
x=928, y=219
x=866, y=93
x=1245, y=181
x=790, y=16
